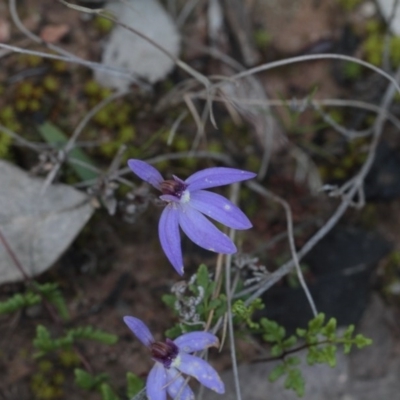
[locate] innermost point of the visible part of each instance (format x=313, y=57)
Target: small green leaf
x=276, y=373
x=174, y=332
x=330, y=328
x=312, y=355
x=273, y=331
x=276, y=350
x=86, y=381
x=202, y=276
x=316, y=323
x=107, y=392
x=361, y=341
x=301, y=332
x=215, y=303
x=330, y=352
x=295, y=381
x=19, y=301
x=292, y=361
x=53, y=135
x=347, y=347
x=135, y=384
x=349, y=332
x=289, y=342
x=83, y=379
x=169, y=300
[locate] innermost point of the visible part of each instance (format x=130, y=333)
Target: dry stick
x=348, y=133
x=311, y=57
x=289, y=221
x=287, y=352
x=67, y=56
x=186, y=11
x=48, y=306
x=90, y=64
x=357, y=182
x=175, y=127
x=19, y=138
x=293, y=103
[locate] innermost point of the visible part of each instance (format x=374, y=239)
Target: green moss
x=34, y=105
x=51, y=83
x=59, y=66
x=394, y=49
x=262, y=38
x=352, y=70
x=25, y=89
x=68, y=358
x=349, y=5
x=47, y=385
x=102, y=24
x=91, y=88
x=373, y=49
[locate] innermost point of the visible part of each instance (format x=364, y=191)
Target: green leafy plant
x=45, y=343
x=320, y=340
x=35, y=295
x=53, y=135
x=100, y=383
x=244, y=313
x=200, y=298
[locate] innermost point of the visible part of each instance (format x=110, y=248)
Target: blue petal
x=168, y=231
x=177, y=386
x=219, y=208
x=202, y=232
x=156, y=381
x=217, y=176
x=146, y=172
x=202, y=371
x=195, y=341
x=140, y=330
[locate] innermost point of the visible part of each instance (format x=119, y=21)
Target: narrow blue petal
x=140, y=330
x=168, y=231
x=202, y=232
x=195, y=341
x=217, y=176
x=219, y=208
x=177, y=386
x=202, y=371
x=146, y=172
x=156, y=381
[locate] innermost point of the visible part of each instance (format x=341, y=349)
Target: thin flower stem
x=218, y=281
x=228, y=262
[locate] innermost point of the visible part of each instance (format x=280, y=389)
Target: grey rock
x=38, y=226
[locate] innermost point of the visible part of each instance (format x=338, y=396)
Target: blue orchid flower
x=187, y=206
x=172, y=359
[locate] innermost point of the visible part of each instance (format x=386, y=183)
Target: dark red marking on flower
x=164, y=352
x=173, y=187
